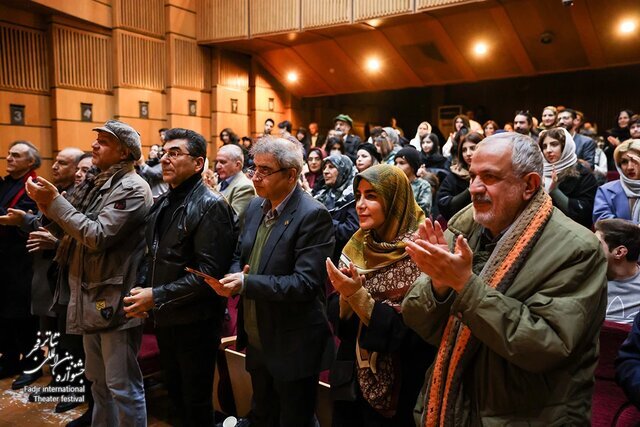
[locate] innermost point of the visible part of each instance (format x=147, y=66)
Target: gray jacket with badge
x=109, y=246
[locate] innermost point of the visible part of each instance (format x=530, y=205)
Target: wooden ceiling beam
x=587, y=33
x=449, y=49
x=510, y=35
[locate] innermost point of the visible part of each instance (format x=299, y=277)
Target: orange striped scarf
x=458, y=344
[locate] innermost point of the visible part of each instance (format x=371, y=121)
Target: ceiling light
x=373, y=64
x=480, y=48
x=627, y=26
x=292, y=76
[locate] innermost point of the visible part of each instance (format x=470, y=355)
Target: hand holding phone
x=204, y=275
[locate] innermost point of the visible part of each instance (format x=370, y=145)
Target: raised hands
x=346, y=281
x=431, y=254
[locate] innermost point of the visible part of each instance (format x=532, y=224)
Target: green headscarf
x=374, y=249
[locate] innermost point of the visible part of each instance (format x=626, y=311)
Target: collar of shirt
x=271, y=215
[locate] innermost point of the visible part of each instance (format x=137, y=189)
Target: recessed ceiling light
x=373, y=64
x=627, y=26
x=292, y=76
x=480, y=48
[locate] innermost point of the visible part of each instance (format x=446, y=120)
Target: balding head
x=64, y=168
x=229, y=161
x=505, y=175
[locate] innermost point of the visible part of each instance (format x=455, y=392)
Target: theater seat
x=610, y=406
x=241, y=385
x=149, y=355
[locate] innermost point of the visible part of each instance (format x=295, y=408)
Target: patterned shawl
x=370, y=250
x=458, y=344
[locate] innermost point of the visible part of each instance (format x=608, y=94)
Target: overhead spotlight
x=373, y=64
x=480, y=48
x=627, y=26
x=292, y=76
x=567, y=3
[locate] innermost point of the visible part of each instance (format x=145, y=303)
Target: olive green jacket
x=539, y=340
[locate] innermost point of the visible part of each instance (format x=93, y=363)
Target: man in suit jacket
x=585, y=147
x=232, y=183
x=279, y=273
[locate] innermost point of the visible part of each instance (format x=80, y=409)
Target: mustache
x=481, y=198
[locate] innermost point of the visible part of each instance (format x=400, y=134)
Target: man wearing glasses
x=190, y=226
x=279, y=272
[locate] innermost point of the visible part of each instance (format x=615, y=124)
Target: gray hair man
x=17, y=326
x=280, y=276
x=101, y=251
x=513, y=294
x=232, y=183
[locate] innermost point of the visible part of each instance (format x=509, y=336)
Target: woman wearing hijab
x=385, y=360
x=337, y=196
x=424, y=129
x=619, y=199
x=453, y=194
x=311, y=178
x=572, y=187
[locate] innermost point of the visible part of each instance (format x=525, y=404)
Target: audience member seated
x=232, y=182
x=385, y=148
x=572, y=187
x=461, y=126
x=337, y=196
x=454, y=190
x=620, y=241
x=380, y=363
x=628, y=364
x=408, y=159
x=619, y=199
x=424, y=129
x=367, y=156
x=549, y=118
x=311, y=178
x=430, y=155
x=489, y=128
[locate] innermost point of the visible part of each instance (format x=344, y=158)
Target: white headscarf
x=417, y=140
x=631, y=189
x=567, y=159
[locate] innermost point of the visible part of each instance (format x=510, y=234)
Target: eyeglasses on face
x=256, y=173
x=174, y=154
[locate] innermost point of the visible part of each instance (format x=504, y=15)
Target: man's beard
x=483, y=218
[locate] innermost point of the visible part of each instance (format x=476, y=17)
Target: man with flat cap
x=344, y=123
x=103, y=245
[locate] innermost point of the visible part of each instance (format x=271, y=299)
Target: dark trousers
x=18, y=337
x=280, y=403
x=188, y=358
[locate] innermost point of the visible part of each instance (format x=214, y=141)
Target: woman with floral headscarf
x=572, y=187
x=337, y=196
x=379, y=356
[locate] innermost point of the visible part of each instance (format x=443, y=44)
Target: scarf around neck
x=458, y=345
x=82, y=198
x=631, y=188
x=370, y=250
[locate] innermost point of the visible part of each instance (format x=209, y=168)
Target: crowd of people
x=440, y=282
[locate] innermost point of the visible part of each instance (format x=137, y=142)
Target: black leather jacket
x=202, y=235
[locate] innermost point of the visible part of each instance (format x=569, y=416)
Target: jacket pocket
x=102, y=304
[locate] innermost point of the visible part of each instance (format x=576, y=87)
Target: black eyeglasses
x=174, y=154
x=253, y=173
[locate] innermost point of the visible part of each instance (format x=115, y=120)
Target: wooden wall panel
x=322, y=13
x=23, y=59
x=368, y=9
x=190, y=64
x=431, y=4
x=269, y=16
x=222, y=19
x=231, y=69
x=141, y=61
x=141, y=16
x=81, y=60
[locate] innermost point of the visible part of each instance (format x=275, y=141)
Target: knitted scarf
x=458, y=345
x=82, y=198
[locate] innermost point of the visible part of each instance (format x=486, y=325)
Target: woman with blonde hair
x=549, y=118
